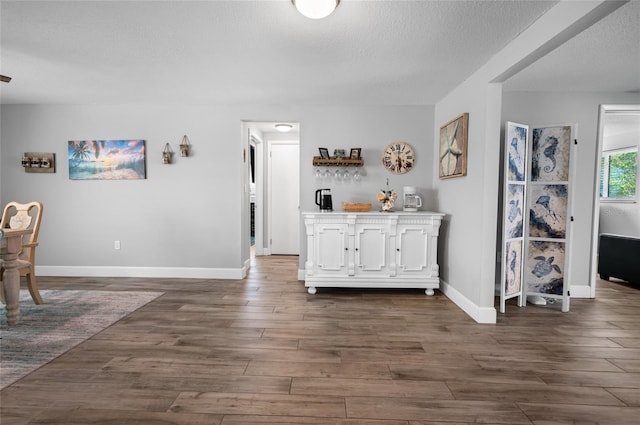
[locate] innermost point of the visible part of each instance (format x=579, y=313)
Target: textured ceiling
x=264, y=52
x=604, y=57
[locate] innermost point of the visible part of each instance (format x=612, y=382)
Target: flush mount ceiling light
x=316, y=9
x=283, y=128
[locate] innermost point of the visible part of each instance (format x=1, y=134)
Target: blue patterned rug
x=66, y=319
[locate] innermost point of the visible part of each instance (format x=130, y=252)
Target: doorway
x=618, y=128
x=273, y=183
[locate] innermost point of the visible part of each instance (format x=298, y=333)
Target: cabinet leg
x=311, y=290
x=429, y=291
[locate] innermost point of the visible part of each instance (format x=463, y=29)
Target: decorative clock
x=398, y=157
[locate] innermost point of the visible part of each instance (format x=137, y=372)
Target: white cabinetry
x=332, y=247
x=372, y=250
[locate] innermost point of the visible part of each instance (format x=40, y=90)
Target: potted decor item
x=387, y=198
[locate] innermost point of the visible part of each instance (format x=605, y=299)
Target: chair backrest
x=24, y=216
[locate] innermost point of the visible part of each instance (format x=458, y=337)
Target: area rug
x=66, y=319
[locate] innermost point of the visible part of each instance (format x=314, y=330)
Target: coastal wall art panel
x=513, y=276
x=514, y=212
x=550, y=153
x=548, y=211
x=107, y=159
x=453, y=147
x=515, y=206
x=545, y=267
x=517, y=148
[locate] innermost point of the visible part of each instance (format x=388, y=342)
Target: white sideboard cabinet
x=372, y=250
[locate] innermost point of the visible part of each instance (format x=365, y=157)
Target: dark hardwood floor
x=262, y=351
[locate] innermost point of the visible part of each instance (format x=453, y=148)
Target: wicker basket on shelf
x=352, y=207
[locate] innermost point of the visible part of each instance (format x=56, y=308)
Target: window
x=618, y=174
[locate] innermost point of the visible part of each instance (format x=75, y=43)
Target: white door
x=284, y=194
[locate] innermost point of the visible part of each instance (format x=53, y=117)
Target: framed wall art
x=107, y=159
x=453, y=147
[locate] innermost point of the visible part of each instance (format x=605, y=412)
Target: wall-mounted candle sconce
x=167, y=153
x=38, y=162
x=184, y=146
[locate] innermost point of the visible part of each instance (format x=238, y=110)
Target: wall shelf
x=345, y=162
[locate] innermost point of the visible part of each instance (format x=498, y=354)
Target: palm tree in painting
x=98, y=145
x=81, y=151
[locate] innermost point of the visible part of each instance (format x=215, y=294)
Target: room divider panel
x=537, y=213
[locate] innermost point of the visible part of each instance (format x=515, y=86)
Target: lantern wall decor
x=167, y=153
x=38, y=162
x=184, y=146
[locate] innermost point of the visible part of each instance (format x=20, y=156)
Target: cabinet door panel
x=413, y=255
x=371, y=248
x=331, y=248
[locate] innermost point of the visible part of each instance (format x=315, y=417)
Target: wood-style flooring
x=262, y=351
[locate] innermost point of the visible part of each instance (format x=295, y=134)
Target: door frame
x=258, y=144
x=603, y=110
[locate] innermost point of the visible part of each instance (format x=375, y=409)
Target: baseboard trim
x=580, y=291
x=245, y=269
x=159, y=272
x=484, y=315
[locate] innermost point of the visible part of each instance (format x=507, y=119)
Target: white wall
x=580, y=109
x=165, y=221
x=370, y=128
x=620, y=219
x=188, y=218
x=470, y=203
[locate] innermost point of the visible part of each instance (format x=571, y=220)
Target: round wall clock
x=398, y=157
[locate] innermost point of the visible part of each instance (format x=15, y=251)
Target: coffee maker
x=323, y=199
x=412, y=200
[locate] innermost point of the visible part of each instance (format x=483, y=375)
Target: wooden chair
x=25, y=216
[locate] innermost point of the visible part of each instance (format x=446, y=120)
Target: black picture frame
x=324, y=153
x=355, y=153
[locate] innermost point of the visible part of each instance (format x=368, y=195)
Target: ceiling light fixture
x=283, y=128
x=316, y=9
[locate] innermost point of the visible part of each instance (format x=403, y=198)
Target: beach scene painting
x=107, y=159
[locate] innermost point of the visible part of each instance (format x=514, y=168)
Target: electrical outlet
x=116, y=245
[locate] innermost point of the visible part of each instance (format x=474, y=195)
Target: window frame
x=604, y=171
